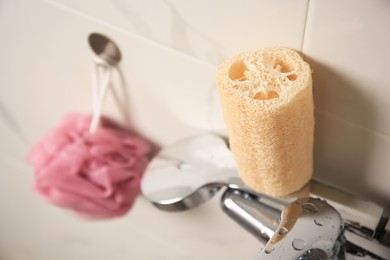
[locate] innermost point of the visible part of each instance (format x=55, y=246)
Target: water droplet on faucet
x=269, y=249
x=298, y=244
x=319, y=221
x=184, y=166
x=282, y=231
x=309, y=207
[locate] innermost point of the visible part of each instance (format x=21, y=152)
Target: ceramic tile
x=167, y=99
x=47, y=232
x=169, y=56
x=351, y=156
x=216, y=115
x=378, y=177
x=208, y=30
x=346, y=43
x=13, y=141
x=166, y=93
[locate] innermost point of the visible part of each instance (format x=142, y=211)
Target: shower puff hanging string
x=102, y=75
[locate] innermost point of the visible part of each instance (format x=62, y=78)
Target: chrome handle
x=307, y=224
x=190, y=172
x=257, y=214
x=307, y=228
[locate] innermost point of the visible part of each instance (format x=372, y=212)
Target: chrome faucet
x=318, y=222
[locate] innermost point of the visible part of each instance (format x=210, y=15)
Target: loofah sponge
x=267, y=103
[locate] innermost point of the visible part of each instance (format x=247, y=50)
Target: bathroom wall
x=170, y=52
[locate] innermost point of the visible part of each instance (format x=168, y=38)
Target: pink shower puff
x=96, y=174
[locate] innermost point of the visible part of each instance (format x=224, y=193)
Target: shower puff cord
x=102, y=76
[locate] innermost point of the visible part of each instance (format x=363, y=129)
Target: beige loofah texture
x=268, y=108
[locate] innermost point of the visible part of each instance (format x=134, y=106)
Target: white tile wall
x=170, y=51
x=349, y=55
x=208, y=30
x=346, y=43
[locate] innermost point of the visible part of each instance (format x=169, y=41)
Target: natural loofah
x=268, y=108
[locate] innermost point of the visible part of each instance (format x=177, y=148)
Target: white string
x=101, y=73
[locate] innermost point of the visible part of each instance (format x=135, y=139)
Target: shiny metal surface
x=360, y=215
x=257, y=214
x=362, y=248
x=190, y=172
x=305, y=224
x=104, y=48
x=262, y=215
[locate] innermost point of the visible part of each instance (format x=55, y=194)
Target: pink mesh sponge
x=95, y=174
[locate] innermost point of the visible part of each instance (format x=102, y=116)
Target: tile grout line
x=125, y=31
x=211, y=109
x=361, y=127
x=321, y=110
x=305, y=26
x=210, y=98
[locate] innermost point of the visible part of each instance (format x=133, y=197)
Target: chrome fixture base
x=318, y=222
